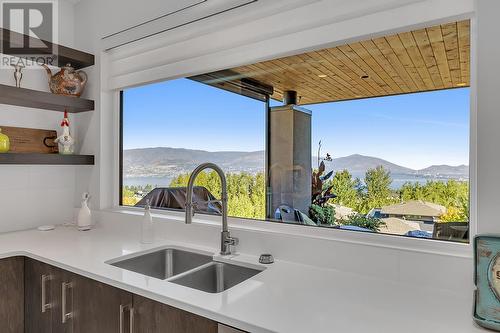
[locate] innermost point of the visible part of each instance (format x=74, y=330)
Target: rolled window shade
x=191, y=11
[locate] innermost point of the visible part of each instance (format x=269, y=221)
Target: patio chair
x=457, y=231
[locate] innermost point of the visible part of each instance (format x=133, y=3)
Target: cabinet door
x=155, y=317
x=62, y=300
x=39, y=284
x=12, y=295
x=43, y=298
x=100, y=308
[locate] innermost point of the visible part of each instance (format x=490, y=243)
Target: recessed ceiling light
x=461, y=84
x=322, y=76
x=364, y=76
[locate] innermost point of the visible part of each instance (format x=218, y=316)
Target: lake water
x=143, y=181
x=397, y=180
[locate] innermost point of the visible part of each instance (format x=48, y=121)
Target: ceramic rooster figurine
x=65, y=140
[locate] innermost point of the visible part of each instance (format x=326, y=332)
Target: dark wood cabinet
x=12, y=295
x=43, y=301
x=40, y=298
x=100, y=308
x=155, y=317
x=38, y=277
x=58, y=301
x=62, y=300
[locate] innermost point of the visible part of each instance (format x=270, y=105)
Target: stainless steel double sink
x=187, y=268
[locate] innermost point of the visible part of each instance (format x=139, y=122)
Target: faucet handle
x=233, y=241
x=226, y=242
x=189, y=206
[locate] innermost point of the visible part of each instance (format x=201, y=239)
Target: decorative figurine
x=18, y=75
x=84, y=220
x=67, y=81
x=65, y=140
x=4, y=142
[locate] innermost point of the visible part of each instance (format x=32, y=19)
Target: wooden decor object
x=30, y=140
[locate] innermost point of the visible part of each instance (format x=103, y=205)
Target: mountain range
x=168, y=162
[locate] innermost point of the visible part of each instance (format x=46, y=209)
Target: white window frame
x=109, y=165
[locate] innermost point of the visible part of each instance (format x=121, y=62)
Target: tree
x=246, y=192
x=128, y=197
x=378, y=188
x=453, y=194
x=346, y=189
x=454, y=214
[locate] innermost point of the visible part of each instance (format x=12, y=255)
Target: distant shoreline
x=397, y=180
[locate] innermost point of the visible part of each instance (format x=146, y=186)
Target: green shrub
x=322, y=214
x=362, y=221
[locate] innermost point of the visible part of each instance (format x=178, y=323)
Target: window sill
x=395, y=242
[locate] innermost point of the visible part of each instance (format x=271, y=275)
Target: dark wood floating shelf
x=46, y=159
x=78, y=59
x=43, y=100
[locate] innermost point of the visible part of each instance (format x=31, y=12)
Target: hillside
x=168, y=162
x=359, y=164
x=445, y=170
x=158, y=162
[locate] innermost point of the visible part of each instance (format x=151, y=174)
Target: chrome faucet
x=226, y=239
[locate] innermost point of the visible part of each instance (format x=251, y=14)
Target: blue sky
x=413, y=130
x=186, y=114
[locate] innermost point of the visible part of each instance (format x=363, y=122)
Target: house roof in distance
x=396, y=226
x=416, y=208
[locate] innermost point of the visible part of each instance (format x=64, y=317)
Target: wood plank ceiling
x=428, y=59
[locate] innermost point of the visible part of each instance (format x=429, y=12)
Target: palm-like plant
x=321, y=191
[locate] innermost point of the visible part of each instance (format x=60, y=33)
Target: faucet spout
x=226, y=239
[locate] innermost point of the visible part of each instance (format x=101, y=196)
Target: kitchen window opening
x=345, y=137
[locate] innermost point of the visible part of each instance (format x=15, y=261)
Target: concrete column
x=290, y=157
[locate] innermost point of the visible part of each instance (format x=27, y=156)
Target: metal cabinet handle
x=131, y=323
x=65, y=315
x=131, y=317
x=45, y=305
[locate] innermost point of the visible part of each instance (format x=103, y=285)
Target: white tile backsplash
x=34, y=195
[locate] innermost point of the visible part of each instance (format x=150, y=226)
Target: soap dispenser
x=147, y=225
x=84, y=219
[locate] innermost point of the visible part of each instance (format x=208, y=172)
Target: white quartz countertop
x=286, y=297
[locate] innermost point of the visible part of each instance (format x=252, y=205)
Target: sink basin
x=165, y=263
x=216, y=277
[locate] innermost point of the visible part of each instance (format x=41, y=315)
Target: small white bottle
x=147, y=225
x=84, y=219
